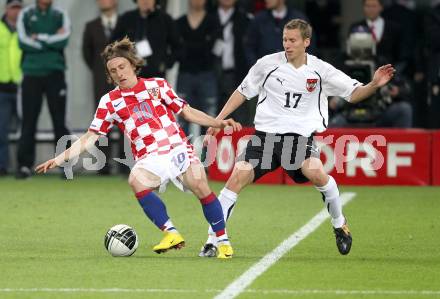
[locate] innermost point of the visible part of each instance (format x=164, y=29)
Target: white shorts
x=168, y=167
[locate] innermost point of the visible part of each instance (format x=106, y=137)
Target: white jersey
x=294, y=100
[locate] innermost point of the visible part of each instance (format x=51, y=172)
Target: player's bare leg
x=242, y=175
x=195, y=179
x=313, y=170
x=143, y=182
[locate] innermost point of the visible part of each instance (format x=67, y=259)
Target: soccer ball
x=121, y=240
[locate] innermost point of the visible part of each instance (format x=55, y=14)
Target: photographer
x=392, y=108
x=398, y=110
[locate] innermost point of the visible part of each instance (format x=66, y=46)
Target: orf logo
x=311, y=84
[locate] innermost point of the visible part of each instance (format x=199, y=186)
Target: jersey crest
x=311, y=84
x=154, y=93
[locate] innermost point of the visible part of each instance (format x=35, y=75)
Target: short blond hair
x=303, y=27
x=122, y=48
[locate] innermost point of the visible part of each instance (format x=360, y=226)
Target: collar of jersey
x=131, y=91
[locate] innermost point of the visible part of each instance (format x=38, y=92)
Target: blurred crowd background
x=52, y=77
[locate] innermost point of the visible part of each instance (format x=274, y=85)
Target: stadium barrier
x=353, y=156
x=436, y=158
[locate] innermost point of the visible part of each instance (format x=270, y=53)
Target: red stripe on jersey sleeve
x=105, y=127
x=101, y=113
x=175, y=108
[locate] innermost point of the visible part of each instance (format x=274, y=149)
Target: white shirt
x=279, y=14
x=294, y=100
x=378, y=25
x=106, y=21
x=228, y=61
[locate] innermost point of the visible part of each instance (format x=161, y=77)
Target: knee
x=241, y=176
x=139, y=181
x=317, y=177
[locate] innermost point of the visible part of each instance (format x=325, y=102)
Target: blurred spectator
x=433, y=32
x=394, y=107
x=325, y=17
x=97, y=34
x=43, y=31
x=402, y=12
x=155, y=34
x=197, y=82
x=265, y=32
x=232, y=67
x=390, y=46
x=10, y=75
x=252, y=6
x=420, y=77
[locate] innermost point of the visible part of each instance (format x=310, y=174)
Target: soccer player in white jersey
x=144, y=110
x=292, y=88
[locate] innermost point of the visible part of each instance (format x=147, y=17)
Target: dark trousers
x=33, y=89
x=7, y=101
x=200, y=91
x=227, y=85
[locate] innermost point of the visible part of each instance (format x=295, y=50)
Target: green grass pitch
x=52, y=234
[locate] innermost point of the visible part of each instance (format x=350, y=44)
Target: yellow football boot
x=170, y=241
x=225, y=251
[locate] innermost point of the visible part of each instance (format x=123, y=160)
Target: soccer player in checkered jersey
x=292, y=88
x=144, y=110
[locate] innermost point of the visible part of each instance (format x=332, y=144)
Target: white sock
x=222, y=240
x=333, y=202
x=169, y=227
x=227, y=199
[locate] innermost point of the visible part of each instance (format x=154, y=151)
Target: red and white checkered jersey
x=145, y=114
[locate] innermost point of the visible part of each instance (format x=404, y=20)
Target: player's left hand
x=383, y=75
x=44, y=167
x=236, y=126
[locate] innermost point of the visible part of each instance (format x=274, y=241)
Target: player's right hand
x=236, y=126
x=209, y=134
x=46, y=166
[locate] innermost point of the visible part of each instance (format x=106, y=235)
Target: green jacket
x=45, y=53
x=10, y=56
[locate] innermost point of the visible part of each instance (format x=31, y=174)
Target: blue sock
x=153, y=207
x=212, y=209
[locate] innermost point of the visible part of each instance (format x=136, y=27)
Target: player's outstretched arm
x=234, y=101
x=382, y=76
x=196, y=116
x=86, y=141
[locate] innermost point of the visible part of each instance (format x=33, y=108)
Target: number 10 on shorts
x=179, y=160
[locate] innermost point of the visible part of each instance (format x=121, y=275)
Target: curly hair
x=122, y=48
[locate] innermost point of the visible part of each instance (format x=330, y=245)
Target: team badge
x=311, y=84
x=154, y=93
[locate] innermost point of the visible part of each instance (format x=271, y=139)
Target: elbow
x=353, y=100
x=186, y=113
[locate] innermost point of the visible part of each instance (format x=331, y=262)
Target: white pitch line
x=346, y=292
x=95, y=290
x=249, y=291
x=246, y=279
